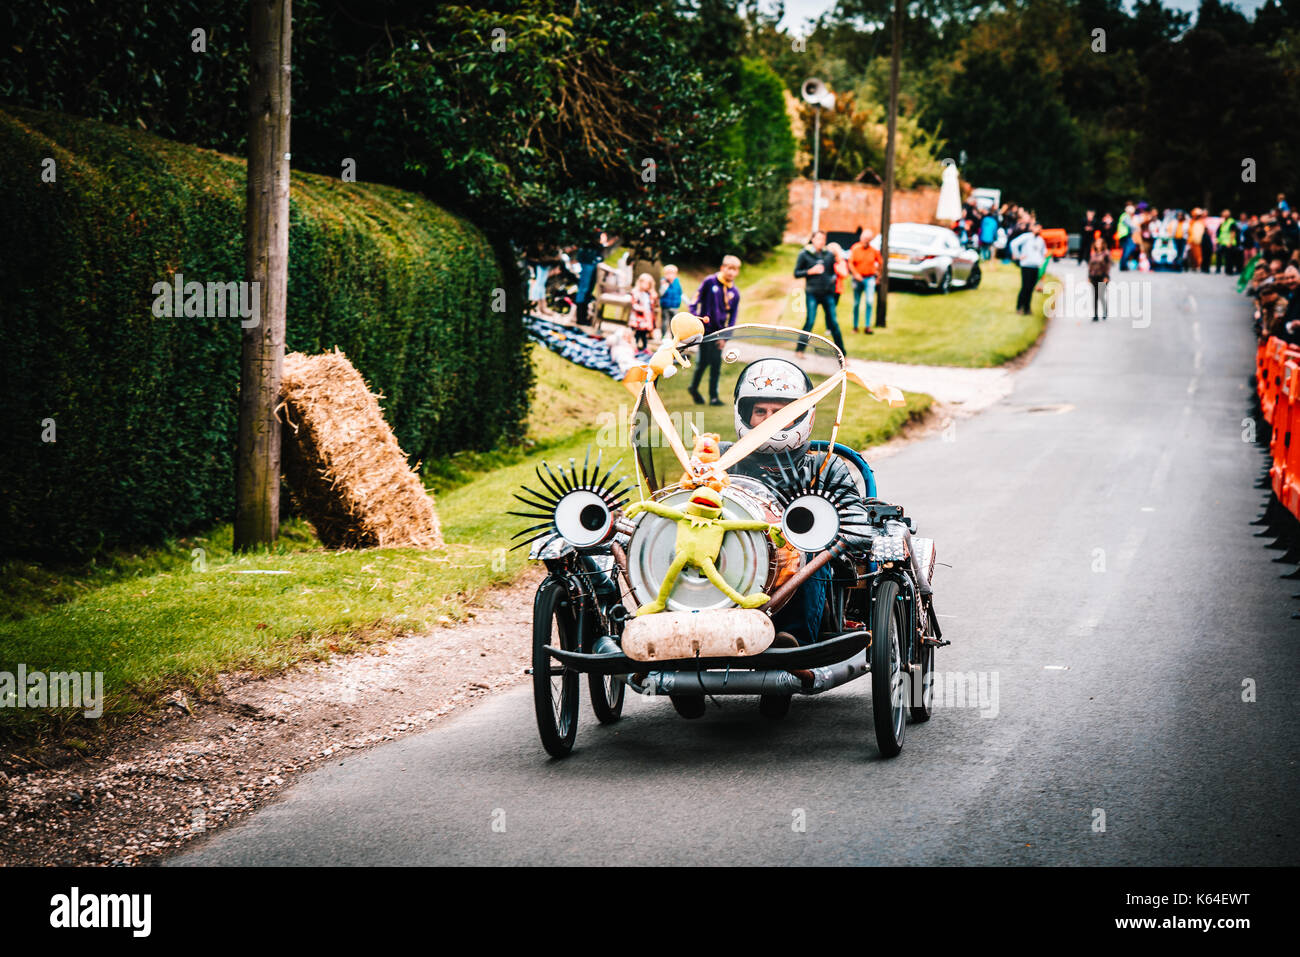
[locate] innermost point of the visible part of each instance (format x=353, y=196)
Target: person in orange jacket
x=841, y=274
x=864, y=267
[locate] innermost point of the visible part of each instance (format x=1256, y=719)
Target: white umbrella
x=949, y=195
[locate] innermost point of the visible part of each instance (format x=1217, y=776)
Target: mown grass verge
x=181, y=614
x=972, y=328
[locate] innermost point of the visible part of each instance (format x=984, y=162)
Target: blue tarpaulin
x=576, y=346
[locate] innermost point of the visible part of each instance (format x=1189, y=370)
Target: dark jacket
x=819, y=284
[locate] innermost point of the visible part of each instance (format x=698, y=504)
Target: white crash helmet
x=773, y=379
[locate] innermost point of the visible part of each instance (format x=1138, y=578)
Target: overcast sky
x=797, y=11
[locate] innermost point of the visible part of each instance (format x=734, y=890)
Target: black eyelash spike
x=807, y=477
x=555, y=484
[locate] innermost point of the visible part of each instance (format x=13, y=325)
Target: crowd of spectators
x=1271, y=275
x=1187, y=240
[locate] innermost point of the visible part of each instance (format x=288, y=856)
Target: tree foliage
x=544, y=120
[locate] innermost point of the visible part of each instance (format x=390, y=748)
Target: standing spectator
x=841, y=276
x=1227, y=245
x=1182, y=227
x=1243, y=232
x=864, y=266
x=1029, y=250
x=988, y=233
x=1290, y=228
x=816, y=267
x=1085, y=235
x=588, y=258
x=1207, y=244
x=670, y=297
x=1145, y=221
x=537, y=273
x=1107, y=230
x=717, y=302
x=642, y=320
x=1127, y=241
x=1099, y=276
x=1195, y=234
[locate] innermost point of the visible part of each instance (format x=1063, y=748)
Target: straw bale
x=345, y=470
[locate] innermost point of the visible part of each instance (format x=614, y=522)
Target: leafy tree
x=1244, y=106
x=853, y=140
x=762, y=143
x=1004, y=112
x=541, y=119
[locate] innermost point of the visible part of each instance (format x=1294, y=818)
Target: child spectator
x=670, y=297
x=642, y=321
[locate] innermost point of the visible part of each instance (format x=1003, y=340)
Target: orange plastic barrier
x=1270, y=384
x=1286, y=410
x=1058, y=242
x=1277, y=378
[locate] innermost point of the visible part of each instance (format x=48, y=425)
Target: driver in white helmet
x=762, y=389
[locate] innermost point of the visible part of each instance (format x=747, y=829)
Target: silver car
x=931, y=255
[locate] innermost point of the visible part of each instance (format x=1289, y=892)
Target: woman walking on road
x=1099, y=276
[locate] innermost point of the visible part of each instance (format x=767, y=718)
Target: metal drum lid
x=744, y=562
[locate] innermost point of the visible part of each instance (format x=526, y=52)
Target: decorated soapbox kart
x=668, y=582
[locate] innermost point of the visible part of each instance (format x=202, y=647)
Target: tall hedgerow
x=119, y=425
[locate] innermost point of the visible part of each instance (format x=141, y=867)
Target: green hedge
x=762, y=141
x=145, y=408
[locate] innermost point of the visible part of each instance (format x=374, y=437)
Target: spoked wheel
x=973, y=280
x=555, y=687
x=923, y=703
x=774, y=705
x=606, y=690
x=606, y=697
x=889, y=692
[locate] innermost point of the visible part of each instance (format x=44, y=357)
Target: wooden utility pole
x=266, y=238
x=882, y=300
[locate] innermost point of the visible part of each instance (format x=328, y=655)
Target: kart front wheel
x=889, y=673
x=555, y=686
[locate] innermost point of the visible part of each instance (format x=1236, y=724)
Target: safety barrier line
x=1277, y=382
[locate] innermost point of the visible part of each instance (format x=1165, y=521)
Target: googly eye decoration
x=814, y=506
x=575, y=506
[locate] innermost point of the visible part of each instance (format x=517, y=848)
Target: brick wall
x=855, y=204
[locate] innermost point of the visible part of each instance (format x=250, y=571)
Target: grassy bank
x=181, y=614
x=971, y=328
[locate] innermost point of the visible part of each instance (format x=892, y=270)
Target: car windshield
x=651, y=436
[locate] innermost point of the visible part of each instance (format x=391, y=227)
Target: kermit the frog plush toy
x=699, y=540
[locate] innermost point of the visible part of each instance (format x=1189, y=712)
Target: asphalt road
x=1105, y=588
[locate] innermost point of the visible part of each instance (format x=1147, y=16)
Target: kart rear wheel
x=774, y=705
x=889, y=703
x=923, y=703
x=555, y=686
x=606, y=690
x=606, y=697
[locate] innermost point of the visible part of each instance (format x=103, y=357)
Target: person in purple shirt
x=717, y=302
